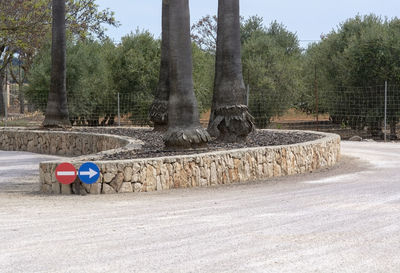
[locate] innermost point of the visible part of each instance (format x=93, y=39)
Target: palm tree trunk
x=159, y=108
x=57, y=107
x=184, y=129
x=230, y=119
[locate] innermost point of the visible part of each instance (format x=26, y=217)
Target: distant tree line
x=98, y=70
x=25, y=29
x=360, y=54
x=271, y=65
x=351, y=65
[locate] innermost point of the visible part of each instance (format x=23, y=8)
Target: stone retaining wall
x=202, y=170
x=62, y=143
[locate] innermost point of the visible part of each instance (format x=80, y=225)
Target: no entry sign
x=66, y=173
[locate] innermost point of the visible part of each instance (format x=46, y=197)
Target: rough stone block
x=126, y=187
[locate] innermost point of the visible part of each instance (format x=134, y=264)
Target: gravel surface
x=154, y=145
x=19, y=171
x=345, y=219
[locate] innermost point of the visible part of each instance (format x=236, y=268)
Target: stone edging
x=64, y=143
x=202, y=170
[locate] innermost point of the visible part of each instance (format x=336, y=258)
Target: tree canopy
x=25, y=23
x=359, y=54
x=352, y=64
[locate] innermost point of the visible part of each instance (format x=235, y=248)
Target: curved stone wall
x=62, y=143
x=202, y=170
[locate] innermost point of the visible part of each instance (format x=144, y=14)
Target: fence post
x=5, y=111
x=248, y=94
x=5, y=99
x=385, y=120
x=119, y=112
x=316, y=96
x=5, y=105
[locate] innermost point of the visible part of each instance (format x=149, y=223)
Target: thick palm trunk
x=230, y=119
x=184, y=129
x=57, y=107
x=159, y=108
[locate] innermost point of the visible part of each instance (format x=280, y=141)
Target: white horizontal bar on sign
x=66, y=173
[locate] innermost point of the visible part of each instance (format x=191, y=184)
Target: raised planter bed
x=178, y=171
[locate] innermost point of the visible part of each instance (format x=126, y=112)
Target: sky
x=308, y=18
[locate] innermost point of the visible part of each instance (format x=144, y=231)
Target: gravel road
x=346, y=219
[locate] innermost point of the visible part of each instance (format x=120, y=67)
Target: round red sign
x=66, y=173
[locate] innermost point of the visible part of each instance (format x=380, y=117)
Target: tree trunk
x=159, y=108
x=184, y=129
x=57, y=107
x=2, y=94
x=230, y=119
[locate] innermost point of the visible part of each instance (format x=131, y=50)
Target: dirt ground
x=345, y=219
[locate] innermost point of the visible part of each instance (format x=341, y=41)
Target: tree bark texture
x=159, y=108
x=57, y=107
x=184, y=129
x=230, y=119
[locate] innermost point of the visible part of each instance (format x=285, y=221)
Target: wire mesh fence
x=369, y=112
x=115, y=110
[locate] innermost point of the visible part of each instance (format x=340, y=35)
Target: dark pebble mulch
x=154, y=145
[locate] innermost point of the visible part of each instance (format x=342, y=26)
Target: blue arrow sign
x=89, y=173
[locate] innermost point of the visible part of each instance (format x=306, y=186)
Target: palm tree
x=184, y=129
x=230, y=119
x=57, y=108
x=159, y=108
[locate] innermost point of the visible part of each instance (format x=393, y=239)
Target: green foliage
x=362, y=52
x=250, y=27
x=135, y=72
x=25, y=25
x=271, y=65
x=203, y=77
x=89, y=87
x=98, y=70
x=23, y=22
x=85, y=19
x=271, y=59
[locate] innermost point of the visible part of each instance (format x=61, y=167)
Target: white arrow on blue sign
x=89, y=173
